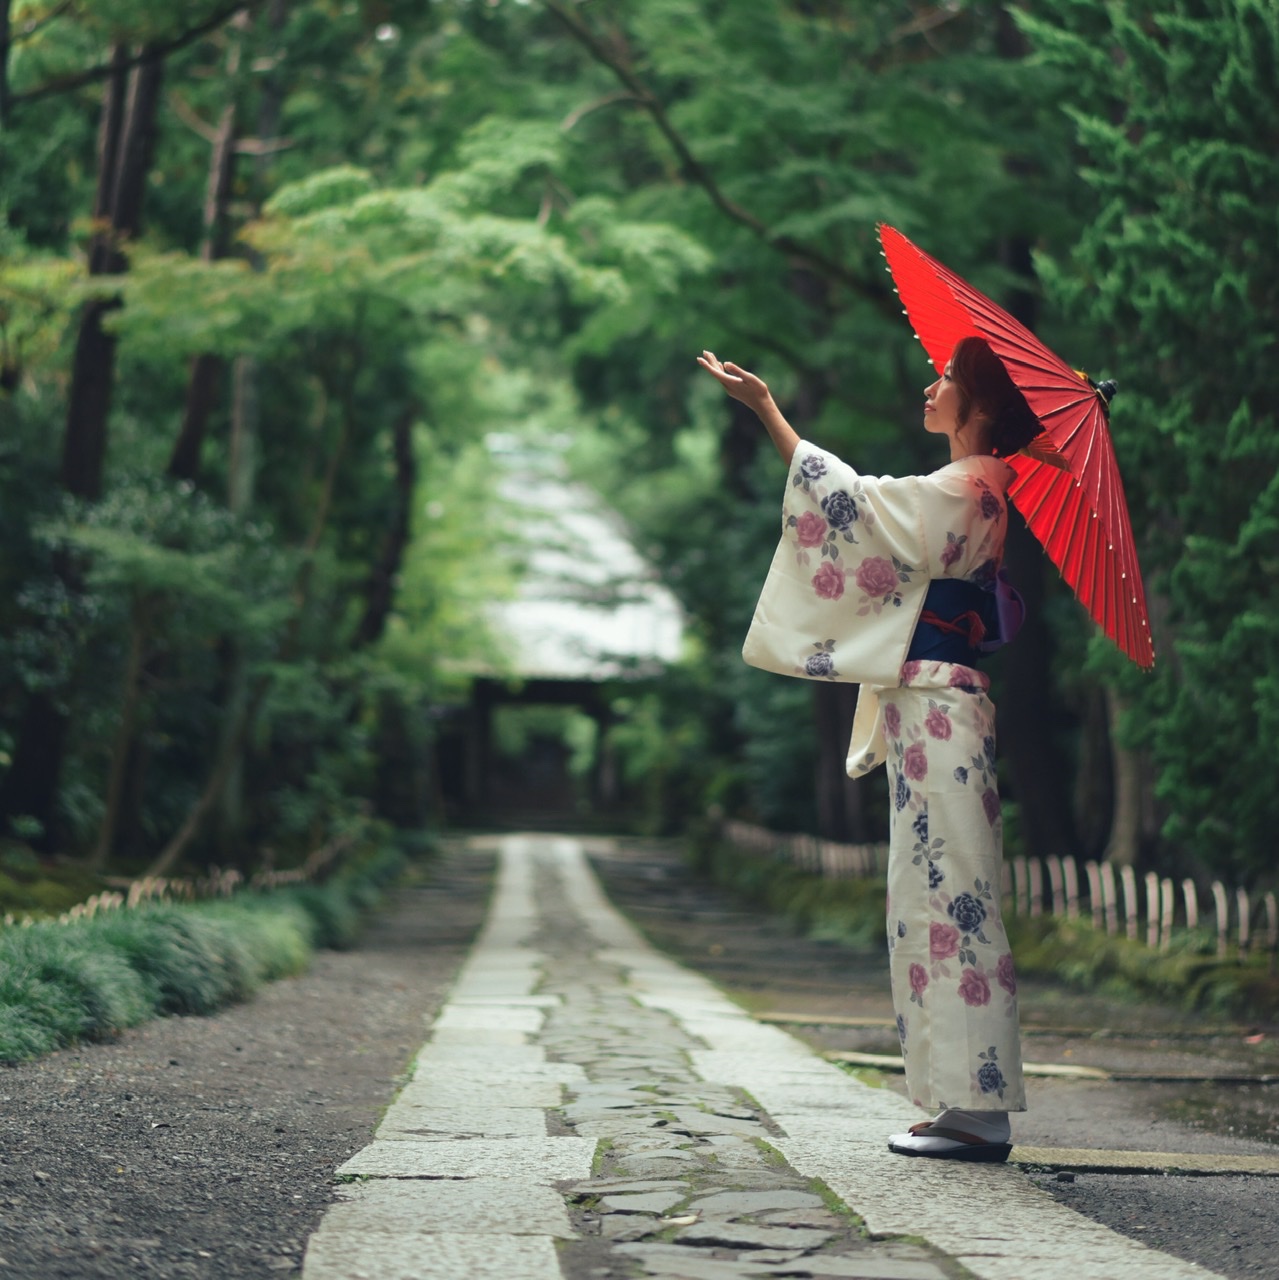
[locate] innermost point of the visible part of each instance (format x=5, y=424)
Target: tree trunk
x=94, y=355
x=5, y=6
x=125, y=141
x=1094, y=792
x=125, y=734
x=840, y=811
x=241, y=476
x=1124, y=847
x=379, y=590
x=30, y=787
x=207, y=371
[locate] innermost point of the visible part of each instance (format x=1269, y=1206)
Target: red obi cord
x=967, y=624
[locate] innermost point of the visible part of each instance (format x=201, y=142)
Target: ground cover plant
x=90, y=978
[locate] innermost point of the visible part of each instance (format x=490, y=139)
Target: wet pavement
x=585, y=1106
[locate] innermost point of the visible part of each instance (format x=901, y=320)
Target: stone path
x=587, y=1108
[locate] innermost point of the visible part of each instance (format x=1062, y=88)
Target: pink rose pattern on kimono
x=943, y=941
x=918, y=983
x=990, y=805
x=1005, y=975
x=974, y=987
x=951, y=967
x=937, y=722
x=828, y=582
x=810, y=529
x=892, y=721
x=880, y=579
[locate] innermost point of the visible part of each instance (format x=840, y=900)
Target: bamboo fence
x=1146, y=910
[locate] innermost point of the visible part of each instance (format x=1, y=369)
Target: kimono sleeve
x=847, y=581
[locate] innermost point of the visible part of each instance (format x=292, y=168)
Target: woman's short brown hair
x=985, y=387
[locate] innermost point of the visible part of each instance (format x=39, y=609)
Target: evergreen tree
x=1176, y=107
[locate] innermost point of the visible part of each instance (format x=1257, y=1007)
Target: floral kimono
x=841, y=602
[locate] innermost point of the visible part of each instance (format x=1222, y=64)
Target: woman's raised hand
x=753, y=392
x=740, y=383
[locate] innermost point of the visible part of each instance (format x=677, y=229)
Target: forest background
x=270, y=273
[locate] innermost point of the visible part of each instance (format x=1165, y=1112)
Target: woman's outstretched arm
x=753, y=392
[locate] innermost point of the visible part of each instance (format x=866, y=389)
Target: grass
x=1069, y=952
x=91, y=978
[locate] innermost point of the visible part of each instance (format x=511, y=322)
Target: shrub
x=54, y=977
x=92, y=977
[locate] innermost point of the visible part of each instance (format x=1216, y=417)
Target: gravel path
x=205, y=1147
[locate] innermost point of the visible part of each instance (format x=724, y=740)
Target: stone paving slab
x=698, y=1144
x=489, y=1017
x=437, y=1256
x=429, y=1123
x=521, y=1159
x=430, y=1090
x=476, y=1206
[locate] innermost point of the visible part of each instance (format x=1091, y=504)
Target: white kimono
x=847, y=582
x=841, y=602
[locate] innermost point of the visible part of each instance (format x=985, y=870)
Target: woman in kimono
x=893, y=583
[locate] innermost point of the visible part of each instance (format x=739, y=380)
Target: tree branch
x=697, y=173
x=151, y=52
x=36, y=25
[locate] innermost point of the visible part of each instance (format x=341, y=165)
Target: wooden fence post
x=1223, y=916
x=1056, y=884
x=1132, y=908
x=1152, y=910
x=1167, y=905
x=1108, y=898
x=1036, y=887
x=1071, y=874
x=1094, y=892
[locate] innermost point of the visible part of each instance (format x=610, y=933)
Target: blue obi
x=962, y=621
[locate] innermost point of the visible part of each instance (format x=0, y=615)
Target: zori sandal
x=938, y=1142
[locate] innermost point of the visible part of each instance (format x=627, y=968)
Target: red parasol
x=1067, y=484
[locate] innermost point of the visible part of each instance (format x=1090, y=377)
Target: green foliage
x=1174, y=107
x=459, y=216
x=58, y=980
x=93, y=977
x=1188, y=974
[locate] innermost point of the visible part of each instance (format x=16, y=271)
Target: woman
x=893, y=583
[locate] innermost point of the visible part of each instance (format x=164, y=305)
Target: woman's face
x=941, y=406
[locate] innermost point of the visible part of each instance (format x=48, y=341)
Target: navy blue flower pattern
x=967, y=912
x=840, y=509
x=819, y=664
x=901, y=793
x=990, y=1079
